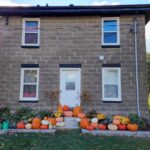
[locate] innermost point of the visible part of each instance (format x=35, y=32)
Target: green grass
x=71, y=140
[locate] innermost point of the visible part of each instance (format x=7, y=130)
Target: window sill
x=28, y=101
x=26, y=46
x=112, y=101
x=110, y=46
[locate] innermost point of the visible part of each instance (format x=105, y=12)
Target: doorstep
x=117, y=133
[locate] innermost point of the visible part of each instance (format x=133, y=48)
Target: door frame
x=60, y=83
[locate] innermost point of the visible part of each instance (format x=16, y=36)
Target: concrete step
x=67, y=128
x=69, y=119
x=71, y=123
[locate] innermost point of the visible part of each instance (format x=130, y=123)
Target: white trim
x=22, y=84
x=118, y=30
x=119, y=84
x=23, y=31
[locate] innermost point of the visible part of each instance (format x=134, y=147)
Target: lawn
x=70, y=140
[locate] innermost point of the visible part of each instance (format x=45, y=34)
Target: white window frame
x=118, y=30
x=23, y=31
x=22, y=85
x=118, y=69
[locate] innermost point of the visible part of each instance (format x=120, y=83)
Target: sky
x=79, y=2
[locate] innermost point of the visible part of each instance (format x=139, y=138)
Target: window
x=29, y=84
x=111, y=84
x=31, y=32
x=110, y=31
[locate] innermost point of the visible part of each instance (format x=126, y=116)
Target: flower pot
x=5, y=125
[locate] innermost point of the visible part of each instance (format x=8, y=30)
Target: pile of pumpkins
x=118, y=123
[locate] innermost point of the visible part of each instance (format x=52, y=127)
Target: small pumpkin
x=122, y=127
x=94, y=125
x=101, y=116
x=94, y=120
x=112, y=127
x=45, y=118
x=102, y=126
x=59, y=119
x=44, y=127
x=28, y=126
x=36, y=123
x=68, y=113
x=132, y=127
x=116, y=122
x=52, y=121
x=65, y=108
x=90, y=128
x=84, y=123
x=117, y=117
x=81, y=115
x=20, y=125
x=44, y=122
x=76, y=110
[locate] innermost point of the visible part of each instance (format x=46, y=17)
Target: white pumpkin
x=60, y=124
x=78, y=119
x=94, y=120
x=112, y=127
x=28, y=126
x=44, y=122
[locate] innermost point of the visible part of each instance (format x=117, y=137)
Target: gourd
x=94, y=124
x=20, y=125
x=60, y=124
x=94, y=120
x=124, y=120
x=102, y=126
x=84, y=123
x=116, y=122
x=112, y=127
x=101, y=116
x=44, y=122
x=59, y=109
x=90, y=128
x=59, y=119
x=132, y=127
x=28, y=126
x=57, y=114
x=65, y=108
x=44, y=127
x=52, y=121
x=36, y=123
x=68, y=113
x=76, y=110
x=122, y=127
x=81, y=115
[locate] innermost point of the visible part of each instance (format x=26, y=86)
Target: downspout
x=136, y=67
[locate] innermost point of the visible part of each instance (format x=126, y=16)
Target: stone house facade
x=77, y=50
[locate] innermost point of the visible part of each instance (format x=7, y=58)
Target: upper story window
x=110, y=31
x=31, y=32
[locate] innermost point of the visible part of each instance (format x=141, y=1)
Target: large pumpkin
x=94, y=124
x=132, y=127
x=20, y=125
x=52, y=121
x=76, y=110
x=84, y=123
x=68, y=113
x=65, y=108
x=36, y=123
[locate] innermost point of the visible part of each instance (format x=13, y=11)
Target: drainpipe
x=136, y=67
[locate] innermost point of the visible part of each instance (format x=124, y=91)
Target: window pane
x=110, y=25
x=110, y=37
x=31, y=26
x=70, y=81
x=30, y=76
x=110, y=77
x=111, y=91
x=70, y=86
x=29, y=91
x=31, y=38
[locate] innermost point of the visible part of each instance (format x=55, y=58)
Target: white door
x=70, y=86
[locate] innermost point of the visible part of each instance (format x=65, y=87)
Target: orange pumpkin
x=90, y=128
x=59, y=109
x=132, y=127
x=52, y=120
x=59, y=119
x=20, y=125
x=116, y=122
x=102, y=126
x=65, y=108
x=81, y=115
x=44, y=127
x=68, y=113
x=84, y=123
x=76, y=110
x=94, y=124
x=36, y=123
